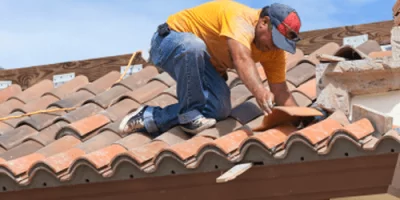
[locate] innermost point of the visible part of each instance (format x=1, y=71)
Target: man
x=196, y=46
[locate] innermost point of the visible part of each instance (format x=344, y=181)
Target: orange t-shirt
x=214, y=21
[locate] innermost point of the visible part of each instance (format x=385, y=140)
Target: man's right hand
x=265, y=100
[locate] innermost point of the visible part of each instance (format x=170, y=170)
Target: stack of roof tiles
x=84, y=145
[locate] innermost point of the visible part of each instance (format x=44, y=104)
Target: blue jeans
x=201, y=90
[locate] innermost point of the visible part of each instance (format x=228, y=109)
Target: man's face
x=263, y=35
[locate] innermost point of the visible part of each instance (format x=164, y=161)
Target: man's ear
x=265, y=20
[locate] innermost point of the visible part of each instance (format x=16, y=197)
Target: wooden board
x=312, y=40
x=91, y=68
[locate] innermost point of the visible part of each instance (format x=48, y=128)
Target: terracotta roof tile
x=146, y=152
x=171, y=91
x=239, y=138
x=281, y=115
x=329, y=48
x=173, y=136
x=369, y=46
x=301, y=73
x=301, y=99
x=13, y=122
x=380, y=54
x=221, y=128
x=69, y=87
x=146, y=92
x=48, y=135
x=163, y=100
x=80, y=113
x=189, y=148
x=246, y=111
x=34, y=91
x=103, y=157
x=38, y=104
x=120, y=109
x=41, y=121
x=319, y=132
x=22, y=164
x=309, y=89
x=134, y=140
x=108, y=97
x=82, y=128
x=293, y=59
x=239, y=94
x=290, y=86
x=360, y=129
x=14, y=137
x=10, y=91
x=102, y=84
x=233, y=79
x=231, y=142
x=61, y=162
x=59, y=146
x=99, y=141
x=4, y=127
x=73, y=100
x=164, y=78
x=274, y=137
x=139, y=79
x=10, y=105
x=23, y=149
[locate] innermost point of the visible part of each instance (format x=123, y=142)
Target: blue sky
x=48, y=31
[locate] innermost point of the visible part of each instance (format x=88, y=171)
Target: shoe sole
x=126, y=119
x=210, y=124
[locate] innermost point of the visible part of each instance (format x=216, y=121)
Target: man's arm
x=282, y=95
x=246, y=69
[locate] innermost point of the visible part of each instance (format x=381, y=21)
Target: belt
x=163, y=30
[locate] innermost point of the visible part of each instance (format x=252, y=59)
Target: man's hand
x=246, y=68
x=266, y=101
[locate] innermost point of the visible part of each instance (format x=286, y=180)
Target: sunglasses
x=291, y=34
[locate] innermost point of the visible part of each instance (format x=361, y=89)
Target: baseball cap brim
x=282, y=42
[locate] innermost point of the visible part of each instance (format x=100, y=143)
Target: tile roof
x=84, y=146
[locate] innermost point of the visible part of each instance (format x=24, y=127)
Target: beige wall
x=386, y=103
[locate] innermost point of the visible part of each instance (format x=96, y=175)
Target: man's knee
x=221, y=112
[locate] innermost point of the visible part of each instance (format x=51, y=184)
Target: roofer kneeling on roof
x=196, y=46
